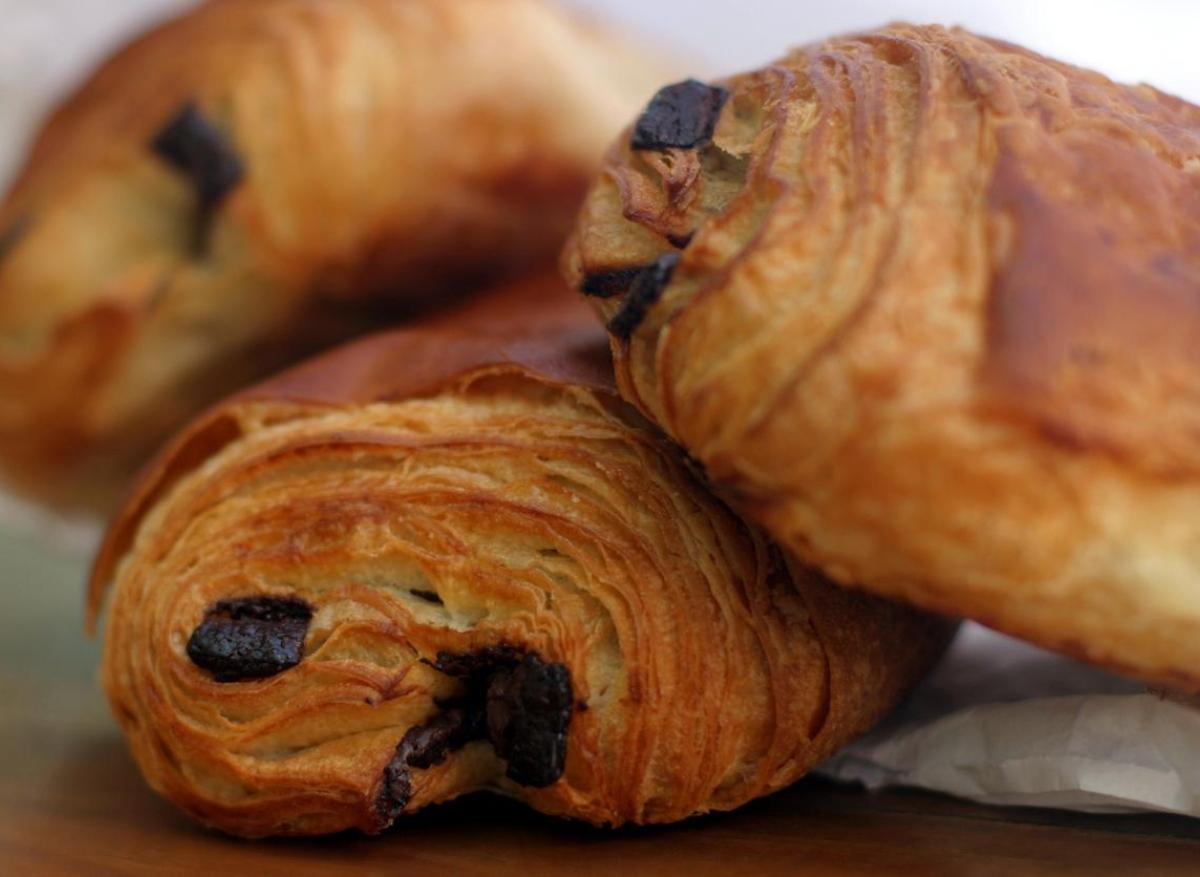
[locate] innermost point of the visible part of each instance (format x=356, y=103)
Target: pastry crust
x=934, y=323
x=455, y=496
x=253, y=181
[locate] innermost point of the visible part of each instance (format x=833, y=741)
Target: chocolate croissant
x=927, y=305
x=255, y=180
x=448, y=559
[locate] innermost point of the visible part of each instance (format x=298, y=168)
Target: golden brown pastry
x=257, y=179
x=927, y=305
x=450, y=558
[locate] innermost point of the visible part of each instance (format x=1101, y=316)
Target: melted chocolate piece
x=427, y=596
x=646, y=290
x=198, y=149
x=606, y=284
x=479, y=663
x=250, y=638
x=424, y=746
x=528, y=713
x=396, y=790
x=430, y=743
x=680, y=116
x=516, y=700
x=11, y=236
x=194, y=146
x=681, y=241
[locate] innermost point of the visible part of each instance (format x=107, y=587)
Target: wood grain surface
x=71, y=802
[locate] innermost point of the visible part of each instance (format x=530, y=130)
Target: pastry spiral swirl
x=252, y=181
x=927, y=307
x=379, y=582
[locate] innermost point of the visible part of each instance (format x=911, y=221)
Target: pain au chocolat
x=251, y=181
x=927, y=306
x=448, y=559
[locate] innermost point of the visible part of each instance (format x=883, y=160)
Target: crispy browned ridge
x=937, y=329
x=471, y=485
x=395, y=153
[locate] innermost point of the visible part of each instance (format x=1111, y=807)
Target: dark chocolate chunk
x=396, y=790
x=477, y=663
x=528, y=711
x=645, y=291
x=11, y=236
x=514, y=699
x=606, y=284
x=681, y=241
x=250, y=638
x=424, y=746
x=428, y=596
x=197, y=148
x=681, y=116
x=430, y=743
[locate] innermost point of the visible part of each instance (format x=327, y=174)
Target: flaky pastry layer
x=928, y=306
x=385, y=580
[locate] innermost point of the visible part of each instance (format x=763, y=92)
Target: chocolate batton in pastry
x=252, y=181
x=447, y=559
x=933, y=318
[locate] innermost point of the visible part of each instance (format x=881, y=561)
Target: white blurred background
x=45, y=45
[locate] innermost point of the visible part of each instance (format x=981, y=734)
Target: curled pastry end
x=341, y=613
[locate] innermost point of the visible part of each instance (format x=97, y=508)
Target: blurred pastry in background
x=927, y=307
x=252, y=181
x=449, y=558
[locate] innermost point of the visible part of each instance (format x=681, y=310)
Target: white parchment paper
x=1002, y=722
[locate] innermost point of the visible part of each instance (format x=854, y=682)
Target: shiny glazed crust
x=383, y=152
x=935, y=325
x=496, y=496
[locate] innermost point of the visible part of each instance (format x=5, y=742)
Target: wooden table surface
x=71, y=802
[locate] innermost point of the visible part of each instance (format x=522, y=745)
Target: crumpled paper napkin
x=1003, y=722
